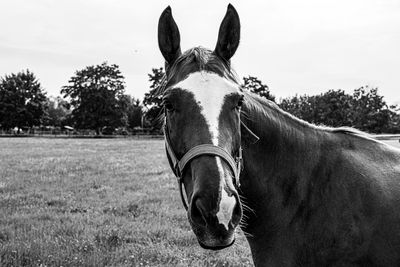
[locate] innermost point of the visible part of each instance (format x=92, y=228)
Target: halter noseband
x=178, y=166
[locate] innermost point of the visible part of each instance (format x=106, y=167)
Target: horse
x=304, y=195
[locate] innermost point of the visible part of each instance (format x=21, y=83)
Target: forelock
x=195, y=60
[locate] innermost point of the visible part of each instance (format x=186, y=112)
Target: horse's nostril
x=197, y=212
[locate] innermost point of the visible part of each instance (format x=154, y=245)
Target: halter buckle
x=239, y=164
x=178, y=172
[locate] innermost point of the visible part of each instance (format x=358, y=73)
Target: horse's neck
x=283, y=138
x=278, y=166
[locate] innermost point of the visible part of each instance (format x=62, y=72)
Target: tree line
x=364, y=109
x=95, y=99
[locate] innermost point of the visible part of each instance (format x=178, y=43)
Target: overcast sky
x=302, y=47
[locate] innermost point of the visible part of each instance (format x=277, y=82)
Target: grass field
x=96, y=202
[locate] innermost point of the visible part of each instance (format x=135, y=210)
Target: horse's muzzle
x=211, y=234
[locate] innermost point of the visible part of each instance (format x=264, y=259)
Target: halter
x=178, y=166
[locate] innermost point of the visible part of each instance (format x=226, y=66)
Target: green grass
x=96, y=202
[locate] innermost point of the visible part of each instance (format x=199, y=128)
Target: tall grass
x=101, y=202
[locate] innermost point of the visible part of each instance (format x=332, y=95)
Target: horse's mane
x=349, y=131
x=260, y=111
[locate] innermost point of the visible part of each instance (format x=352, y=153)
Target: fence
x=64, y=133
x=135, y=133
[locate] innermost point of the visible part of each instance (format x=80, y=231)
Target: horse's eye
x=240, y=102
x=168, y=106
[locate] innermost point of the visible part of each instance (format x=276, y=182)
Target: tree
x=302, y=107
x=22, y=100
x=153, y=100
x=134, y=112
x=370, y=111
x=254, y=85
x=333, y=108
x=364, y=110
x=96, y=94
x=394, y=122
x=58, y=110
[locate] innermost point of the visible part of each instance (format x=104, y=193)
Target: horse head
x=202, y=101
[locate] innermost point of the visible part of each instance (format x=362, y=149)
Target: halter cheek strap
x=178, y=166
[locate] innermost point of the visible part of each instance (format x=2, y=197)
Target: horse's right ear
x=168, y=37
x=229, y=34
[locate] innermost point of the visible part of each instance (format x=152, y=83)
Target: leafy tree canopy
x=58, y=110
x=369, y=111
x=134, y=112
x=330, y=108
x=365, y=110
x=96, y=94
x=22, y=100
x=255, y=85
x=152, y=100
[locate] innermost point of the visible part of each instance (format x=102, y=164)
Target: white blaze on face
x=209, y=90
x=227, y=203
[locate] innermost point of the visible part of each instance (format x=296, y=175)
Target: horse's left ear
x=229, y=34
x=168, y=37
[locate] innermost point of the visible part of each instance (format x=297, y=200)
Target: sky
x=295, y=47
